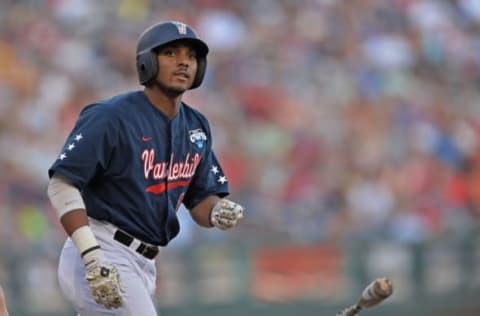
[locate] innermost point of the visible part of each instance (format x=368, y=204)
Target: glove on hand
x=226, y=214
x=103, y=279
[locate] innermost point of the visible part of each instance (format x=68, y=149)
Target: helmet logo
x=181, y=27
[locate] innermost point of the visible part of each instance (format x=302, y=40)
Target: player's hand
x=103, y=279
x=226, y=214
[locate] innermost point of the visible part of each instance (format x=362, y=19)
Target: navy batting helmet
x=162, y=34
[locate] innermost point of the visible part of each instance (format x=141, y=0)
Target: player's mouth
x=182, y=74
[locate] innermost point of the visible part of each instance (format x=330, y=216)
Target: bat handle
x=350, y=311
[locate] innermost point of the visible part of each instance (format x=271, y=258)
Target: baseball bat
x=373, y=294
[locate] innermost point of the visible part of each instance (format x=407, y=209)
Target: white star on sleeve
x=71, y=146
x=222, y=179
x=78, y=137
x=63, y=156
x=214, y=169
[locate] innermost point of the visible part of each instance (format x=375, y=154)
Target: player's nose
x=185, y=57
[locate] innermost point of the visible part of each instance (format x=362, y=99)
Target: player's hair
x=161, y=34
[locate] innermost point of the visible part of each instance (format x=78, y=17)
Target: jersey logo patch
x=198, y=137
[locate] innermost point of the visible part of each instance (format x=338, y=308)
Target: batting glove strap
x=226, y=214
x=104, y=282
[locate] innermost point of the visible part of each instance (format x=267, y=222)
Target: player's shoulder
x=120, y=100
x=113, y=105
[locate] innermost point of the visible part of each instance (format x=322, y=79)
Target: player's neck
x=167, y=104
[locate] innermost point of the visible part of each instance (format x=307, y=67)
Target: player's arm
x=219, y=212
x=201, y=212
x=68, y=202
x=102, y=277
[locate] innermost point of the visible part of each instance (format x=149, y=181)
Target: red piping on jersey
x=161, y=187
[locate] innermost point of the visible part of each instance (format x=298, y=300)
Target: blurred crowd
x=333, y=119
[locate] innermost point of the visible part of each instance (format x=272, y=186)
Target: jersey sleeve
x=209, y=178
x=88, y=148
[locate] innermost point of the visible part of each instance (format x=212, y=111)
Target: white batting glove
x=226, y=214
x=103, y=279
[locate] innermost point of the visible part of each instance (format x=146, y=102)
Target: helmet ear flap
x=147, y=67
x=201, y=68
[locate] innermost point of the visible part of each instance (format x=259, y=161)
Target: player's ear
x=201, y=68
x=147, y=67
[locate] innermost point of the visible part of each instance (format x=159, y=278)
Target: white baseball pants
x=137, y=274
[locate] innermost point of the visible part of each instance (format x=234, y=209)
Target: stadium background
x=349, y=129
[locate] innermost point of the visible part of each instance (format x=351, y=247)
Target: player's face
x=177, y=64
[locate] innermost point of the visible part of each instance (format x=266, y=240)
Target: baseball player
x=126, y=167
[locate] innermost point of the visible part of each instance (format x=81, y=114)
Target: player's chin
x=180, y=86
x=175, y=89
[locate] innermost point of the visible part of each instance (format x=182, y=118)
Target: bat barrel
x=373, y=294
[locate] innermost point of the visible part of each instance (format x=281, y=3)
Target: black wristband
x=89, y=250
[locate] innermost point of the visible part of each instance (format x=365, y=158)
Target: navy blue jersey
x=134, y=166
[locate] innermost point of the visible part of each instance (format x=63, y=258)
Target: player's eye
x=167, y=51
x=173, y=51
x=192, y=53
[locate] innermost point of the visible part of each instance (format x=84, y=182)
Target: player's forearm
x=201, y=212
x=73, y=220
x=75, y=224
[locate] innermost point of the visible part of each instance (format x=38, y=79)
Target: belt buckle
x=145, y=251
x=142, y=249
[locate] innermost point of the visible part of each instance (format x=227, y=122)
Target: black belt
x=145, y=250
